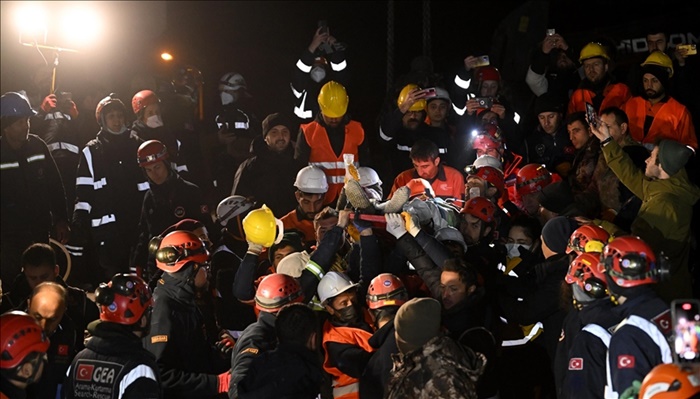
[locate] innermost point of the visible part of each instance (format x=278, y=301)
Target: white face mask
x=154, y=121
x=227, y=98
x=317, y=74
x=122, y=131
x=514, y=249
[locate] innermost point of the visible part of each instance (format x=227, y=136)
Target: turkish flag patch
x=625, y=362
x=576, y=363
x=84, y=372
x=62, y=350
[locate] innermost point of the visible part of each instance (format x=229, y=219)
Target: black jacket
x=257, y=338
x=113, y=356
x=375, y=378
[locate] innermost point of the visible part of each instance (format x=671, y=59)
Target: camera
x=591, y=115
x=685, y=318
x=484, y=102
x=551, y=32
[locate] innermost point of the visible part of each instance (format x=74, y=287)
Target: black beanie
x=556, y=233
x=556, y=197
x=660, y=72
x=673, y=156
x=273, y=120
x=547, y=102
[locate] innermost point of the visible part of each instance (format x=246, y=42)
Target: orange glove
x=224, y=381
x=49, y=103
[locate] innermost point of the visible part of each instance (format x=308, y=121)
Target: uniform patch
x=180, y=211
x=625, y=362
x=62, y=350
x=254, y=351
x=663, y=322
x=576, y=363
x=159, y=338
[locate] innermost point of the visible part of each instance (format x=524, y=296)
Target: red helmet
x=124, y=299
x=493, y=176
x=670, y=381
x=532, y=178
x=481, y=208
x=587, y=272
x=485, y=142
x=420, y=187
x=630, y=262
x=488, y=73
x=20, y=335
x=108, y=102
x=386, y=290
x=277, y=290
x=151, y=152
x=178, y=248
x=143, y=99
x=588, y=238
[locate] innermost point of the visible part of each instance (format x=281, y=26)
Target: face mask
x=317, y=74
x=347, y=314
x=514, y=249
x=154, y=121
x=227, y=98
x=121, y=131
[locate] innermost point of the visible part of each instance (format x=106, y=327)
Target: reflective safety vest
x=323, y=156
x=305, y=227
x=344, y=386
x=671, y=121
x=616, y=95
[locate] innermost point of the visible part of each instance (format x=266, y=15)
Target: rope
x=426, y=29
x=390, y=46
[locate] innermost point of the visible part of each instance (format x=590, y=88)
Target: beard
x=650, y=94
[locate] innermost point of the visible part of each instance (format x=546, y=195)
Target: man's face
x=470, y=227
x=342, y=301
x=437, y=110
x=149, y=111
x=474, y=181
x=453, y=289
x=653, y=166
x=278, y=138
x=653, y=88
x=114, y=120
x=332, y=122
x=322, y=226
x=549, y=121
x=564, y=62
x=280, y=254
x=48, y=309
x=595, y=69
x=427, y=169
x=578, y=134
x=17, y=133
x=310, y=204
x=36, y=275
x=157, y=172
x=489, y=151
x=412, y=119
x=617, y=131
x=489, y=88
x=656, y=41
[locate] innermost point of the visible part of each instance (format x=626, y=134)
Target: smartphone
x=551, y=32
x=685, y=318
x=691, y=49
x=430, y=92
x=323, y=25
x=482, y=61
x=484, y=102
x=591, y=115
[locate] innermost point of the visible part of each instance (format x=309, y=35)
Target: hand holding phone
x=591, y=115
x=430, y=92
x=484, y=102
x=685, y=318
x=482, y=61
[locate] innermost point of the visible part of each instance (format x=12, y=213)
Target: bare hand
x=554, y=41
x=318, y=39
x=499, y=110
x=62, y=231
x=602, y=131
x=471, y=62
x=412, y=97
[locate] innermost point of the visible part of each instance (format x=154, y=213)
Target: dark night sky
x=263, y=39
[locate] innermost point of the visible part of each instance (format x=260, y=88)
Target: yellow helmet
x=259, y=227
x=333, y=100
x=418, y=105
x=592, y=50
x=659, y=58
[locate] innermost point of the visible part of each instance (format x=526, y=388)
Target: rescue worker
x=598, y=87
x=23, y=344
x=114, y=362
x=312, y=187
x=345, y=334
x=331, y=137
x=656, y=115
x=109, y=190
x=549, y=142
x=189, y=365
x=640, y=341
x=33, y=198
x=169, y=199
x=531, y=179
x=149, y=124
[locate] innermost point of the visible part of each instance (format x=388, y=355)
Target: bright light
x=31, y=21
x=80, y=26
x=166, y=56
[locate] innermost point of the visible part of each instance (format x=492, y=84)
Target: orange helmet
x=420, y=187
x=151, y=152
x=481, y=208
x=670, y=381
x=532, y=178
x=588, y=238
x=20, y=336
x=143, y=99
x=630, y=262
x=386, y=290
x=179, y=248
x=277, y=290
x=124, y=299
x=588, y=273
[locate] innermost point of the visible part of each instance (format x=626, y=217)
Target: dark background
x=263, y=39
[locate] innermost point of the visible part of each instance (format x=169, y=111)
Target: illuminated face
x=114, y=120
x=278, y=138
x=437, y=110
x=332, y=122
x=656, y=42
x=615, y=129
x=412, y=119
x=488, y=151
x=149, y=111
x=653, y=88
x=157, y=172
x=48, y=309
x=579, y=134
x=489, y=88
x=595, y=69
x=310, y=204
x=453, y=289
x=38, y=274
x=549, y=121
x=427, y=169
x=280, y=254
x=322, y=226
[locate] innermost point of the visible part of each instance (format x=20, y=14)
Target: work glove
x=395, y=225
x=254, y=249
x=412, y=225
x=49, y=103
x=224, y=382
x=225, y=343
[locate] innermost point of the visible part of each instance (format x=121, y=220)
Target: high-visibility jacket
x=344, y=386
x=293, y=221
x=615, y=95
x=670, y=120
x=448, y=183
x=323, y=156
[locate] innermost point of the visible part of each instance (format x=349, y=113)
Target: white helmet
x=231, y=207
x=441, y=94
x=332, y=285
x=293, y=264
x=311, y=179
x=488, y=160
x=229, y=84
x=368, y=176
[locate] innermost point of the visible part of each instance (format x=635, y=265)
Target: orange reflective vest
x=449, y=183
x=323, y=156
x=671, y=121
x=344, y=386
x=291, y=221
x=615, y=95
